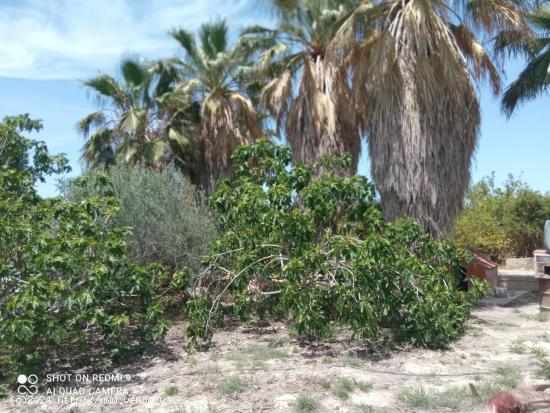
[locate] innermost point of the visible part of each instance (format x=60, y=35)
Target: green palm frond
x=213, y=37
x=98, y=148
x=531, y=82
x=132, y=120
x=133, y=73
x=94, y=120
x=187, y=42
x=535, y=78
x=107, y=87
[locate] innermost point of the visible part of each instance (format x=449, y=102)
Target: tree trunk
x=420, y=153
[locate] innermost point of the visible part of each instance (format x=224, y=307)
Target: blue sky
x=49, y=45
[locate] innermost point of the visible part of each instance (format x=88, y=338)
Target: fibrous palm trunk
x=421, y=140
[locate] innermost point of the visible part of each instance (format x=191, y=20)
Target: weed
x=305, y=403
x=460, y=397
x=274, y=342
x=538, y=352
x=351, y=360
x=363, y=408
x=517, y=347
x=328, y=360
x=344, y=386
x=232, y=385
x=541, y=317
x=506, y=324
x=363, y=385
x=171, y=391
x=3, y=391
x=256, y=355
x=415, y=397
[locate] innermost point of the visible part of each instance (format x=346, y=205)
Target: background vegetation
x=503, y=222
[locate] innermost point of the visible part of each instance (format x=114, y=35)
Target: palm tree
x=215, y=76
x=141, y=119
x=414, y=64
x=308, y=95
x=535, y=78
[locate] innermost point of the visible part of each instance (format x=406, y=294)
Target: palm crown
x=142, y=120
x=215, y=75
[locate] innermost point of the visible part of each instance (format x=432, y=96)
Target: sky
x=48, y=47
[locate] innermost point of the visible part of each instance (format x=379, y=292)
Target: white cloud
x=67, y=39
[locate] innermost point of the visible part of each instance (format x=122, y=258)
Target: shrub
x=503, y=222
x=169, y=218
x=68, y=288
x=232, y=385
x=304, y=244
x=306, y=403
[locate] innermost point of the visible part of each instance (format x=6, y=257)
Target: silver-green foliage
x=169, y=218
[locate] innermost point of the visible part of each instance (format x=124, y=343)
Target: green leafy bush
x=312, y=247
x=169, y=219
x=67, y=289
x=503, y=222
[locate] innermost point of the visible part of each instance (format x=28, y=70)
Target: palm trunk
x=421, y=154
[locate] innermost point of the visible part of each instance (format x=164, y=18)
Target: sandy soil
x=271, y=370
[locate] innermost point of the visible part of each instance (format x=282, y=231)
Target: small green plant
x=255, y=355
x=415, y=397
x=328, y=360
x=3, y=391
x=506, y=324
x=518, y=347
x=232, y=386
x=363, y=408
x=305, y=403
x=351, y=360
x=344, y=386
x=460, y=397
x=541, y=317
x=171, y=391
x=538, y=352
x=541, y=362
x=543, y=368
x=274, y=342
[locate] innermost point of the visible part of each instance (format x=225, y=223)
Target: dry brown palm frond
x=494, y=16
x=228, y=119
x=319, y=122
x=276, y=95
x=478, y=56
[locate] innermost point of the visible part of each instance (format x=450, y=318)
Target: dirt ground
x=262, y=369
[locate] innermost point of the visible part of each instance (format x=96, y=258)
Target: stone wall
x=519, y=263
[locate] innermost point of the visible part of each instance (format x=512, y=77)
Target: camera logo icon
x=23, y=380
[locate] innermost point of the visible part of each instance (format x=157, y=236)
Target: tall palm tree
x=214, y=74
x=534, y=79
x=308, y=95
x=414, y=64
x=141, y=118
